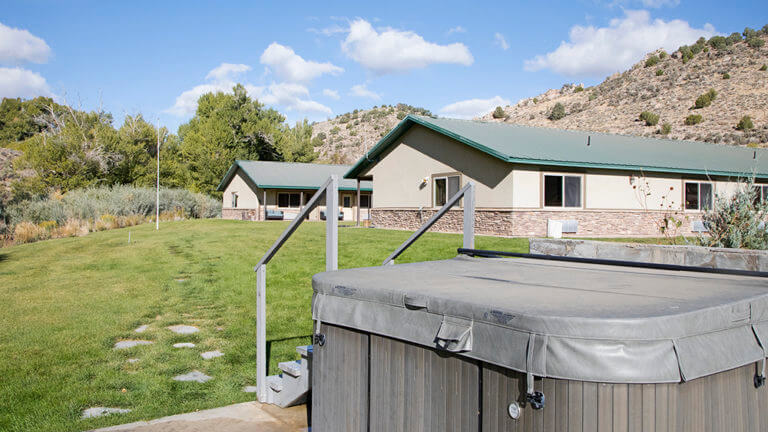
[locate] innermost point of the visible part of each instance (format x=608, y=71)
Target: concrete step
x=292, y=368
x=304, y=350
x=275, y=382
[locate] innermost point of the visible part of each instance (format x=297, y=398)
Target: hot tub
x=479, y=344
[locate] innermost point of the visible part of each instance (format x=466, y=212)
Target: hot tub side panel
x=416, y=388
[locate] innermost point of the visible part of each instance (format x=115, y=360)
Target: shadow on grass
x=3, y=257
x=271, y=341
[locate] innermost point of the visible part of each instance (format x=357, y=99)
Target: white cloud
x=501, y=41
x=227, y=71
x=473, y=107
x=360, y=90
x=291, y=96
x=18, y=82
x=333, y=94
x=600, y=51
x=457, y=29
x=660, y=3
x=20, y=46
x=286, y=96
x=391, y=51
x=290, y=67
x=328, y=31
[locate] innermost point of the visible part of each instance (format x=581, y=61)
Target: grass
x=67, y=301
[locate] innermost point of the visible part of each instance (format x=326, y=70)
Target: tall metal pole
x=332, y=225
x=157, y=195
x=261, y=333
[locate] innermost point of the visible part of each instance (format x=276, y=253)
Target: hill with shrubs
x=715, y=90
x=346, y=137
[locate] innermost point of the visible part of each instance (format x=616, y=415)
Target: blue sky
x=318, y=59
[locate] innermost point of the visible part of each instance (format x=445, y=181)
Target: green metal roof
x=291, y=175
x=557, y=147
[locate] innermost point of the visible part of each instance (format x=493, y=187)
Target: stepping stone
x=211, y=354
x=195, y=376
x=180, y=280
x=141, y=328
x=250, y=389
x=124, y=344
x=132, y=360
x=183, y=329
x=102, y=411
x=184, y=345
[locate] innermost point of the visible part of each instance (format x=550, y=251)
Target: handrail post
x=261, y=332
x=469, y=218
x=332, y=225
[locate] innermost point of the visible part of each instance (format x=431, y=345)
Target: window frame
x=235, y=196
x=346, y=197
x=445, y=176
x=298, y=194
x=563, y=175
x=365, y=196
x=698, y=184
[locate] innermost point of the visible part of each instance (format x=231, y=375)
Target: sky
x=315, y=60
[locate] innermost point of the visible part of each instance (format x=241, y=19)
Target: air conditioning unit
x=554, y=229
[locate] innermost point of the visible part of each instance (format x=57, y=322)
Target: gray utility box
x=468, y=344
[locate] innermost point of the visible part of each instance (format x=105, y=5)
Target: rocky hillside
x=675, y=92
x=345, y=138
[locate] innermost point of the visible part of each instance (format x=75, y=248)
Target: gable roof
x=291, y=175
x=568, y=148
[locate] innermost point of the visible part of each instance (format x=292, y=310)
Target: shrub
x=652, y=61
x=27, y=232
x=733, y=38
x=649, y=118
x=498, y=112
x=705, y=100
x=663, y=54
x=718, y=42
x=535, y=100
x=659, y=72
x=749, y=33
x=557, y=112
x=335, y=130
x=578, y=89
x=745, y=124
x=686, y=53
x=592, y=96
x=764, y=67
x=737, y=221
x=693, y=119
x=755, y=42
x=666, y=128
x=400, y=115
x=726, y=75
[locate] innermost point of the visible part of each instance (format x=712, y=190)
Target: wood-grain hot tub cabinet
x=461, y=344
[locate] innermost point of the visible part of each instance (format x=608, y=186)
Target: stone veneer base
x=533, y=223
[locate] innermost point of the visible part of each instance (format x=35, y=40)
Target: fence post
x=261, y=333
x=469, y=217
x=332, y=225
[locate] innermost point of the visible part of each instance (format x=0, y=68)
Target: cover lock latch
x=319, y=339
x=536, y=399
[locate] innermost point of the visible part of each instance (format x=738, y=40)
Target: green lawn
x=66, y=302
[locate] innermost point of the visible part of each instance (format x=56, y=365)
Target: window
x=234, y=199
x=698, y=196
x=445, y=187
x=365, y=201
x=562, y=191
x=288, y=200
x=347, y=201
x=761, y=193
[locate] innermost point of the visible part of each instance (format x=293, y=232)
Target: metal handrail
x=468, y=193
x=331, y=191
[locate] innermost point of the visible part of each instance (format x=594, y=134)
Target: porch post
x=261, y=333
x=358, y=203
x=265, y=205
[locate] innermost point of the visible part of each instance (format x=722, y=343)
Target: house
x=595, y=184
x=259, y=190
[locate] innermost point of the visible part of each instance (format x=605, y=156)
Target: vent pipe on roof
x=589, y=140
x=754, y=155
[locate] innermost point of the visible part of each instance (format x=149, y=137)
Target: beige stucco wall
x=421, y=153
x=248, y=194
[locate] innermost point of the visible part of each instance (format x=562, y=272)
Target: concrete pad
x=195, y=376
x=242, y=417
x=101, y=412
x=211, y=354
x=125, y=344
x=141, y=328
x=250, y=389
x=183, y=329
x=184, y=345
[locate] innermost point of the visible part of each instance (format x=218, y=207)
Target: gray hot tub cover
x=564, y=320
